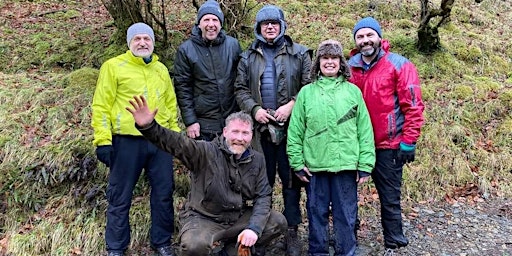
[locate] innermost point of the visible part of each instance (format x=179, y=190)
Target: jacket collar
x=220, y=141
x=287, y=45
x=139, y=60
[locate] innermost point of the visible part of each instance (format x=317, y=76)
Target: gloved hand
x=406, y=153
x=303, y=174
x=103, y=153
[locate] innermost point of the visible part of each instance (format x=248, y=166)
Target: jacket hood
x=197, y=37
x=287, y=41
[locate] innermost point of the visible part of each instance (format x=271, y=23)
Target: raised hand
x=140, y=112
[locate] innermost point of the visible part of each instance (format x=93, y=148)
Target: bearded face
x=238, y=136
x=141, y=45
x=367, y=42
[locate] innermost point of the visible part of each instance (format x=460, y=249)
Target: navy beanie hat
x=367, y=22
x=210, y=7
x=270, y=12
x=139, y=28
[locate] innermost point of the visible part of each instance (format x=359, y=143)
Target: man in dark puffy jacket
x=204, y=73
x=270, y=74
x=230, y=198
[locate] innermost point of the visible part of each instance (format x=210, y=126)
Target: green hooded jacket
x=330, y=128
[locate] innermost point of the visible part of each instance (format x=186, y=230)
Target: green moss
x=71, y=14
x=506, y=97
x=403, y=44
x=428, y=92
x=506, y=126
x=474, y=54
x=463, y=92
x=345, y=22
x=487, y=84
x=405, y=24
x=450, y=27
x=473, y=35
x=81, y=78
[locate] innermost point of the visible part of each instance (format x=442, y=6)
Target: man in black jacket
x=204, y=73
x=230, y=198
x=269, y=76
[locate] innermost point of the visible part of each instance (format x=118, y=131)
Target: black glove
x=406, y=153
x=301, y=174
x=104, y=153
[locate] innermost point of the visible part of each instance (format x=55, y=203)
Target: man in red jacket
x=391, y=90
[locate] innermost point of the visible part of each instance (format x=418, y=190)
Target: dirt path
x=441, y=229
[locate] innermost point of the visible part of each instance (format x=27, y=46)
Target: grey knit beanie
x=139, y=28
x=332, y=48
x=367, y=22
x=270, y=12
x=210, y=7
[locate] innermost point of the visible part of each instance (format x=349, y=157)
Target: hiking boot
x=164, y=251
x=293, y=244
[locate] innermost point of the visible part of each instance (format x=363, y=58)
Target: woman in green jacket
x=331, y=146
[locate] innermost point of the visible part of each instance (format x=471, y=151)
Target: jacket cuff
x=147, y=127
x=363, y=174
x=255, y=229
x=254, y=110
x=406, y=146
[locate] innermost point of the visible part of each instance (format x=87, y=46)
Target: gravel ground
x=456, y=229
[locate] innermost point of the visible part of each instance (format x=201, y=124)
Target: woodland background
x=52, y=189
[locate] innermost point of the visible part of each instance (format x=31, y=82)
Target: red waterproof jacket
x=391, y=90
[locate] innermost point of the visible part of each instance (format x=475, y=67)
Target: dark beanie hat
x=139, y=28
x=270, y=12
x=367, y=22
x=210, y=7
x=332, y=48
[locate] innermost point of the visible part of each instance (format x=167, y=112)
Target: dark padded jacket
x=293, y=65
x=222, y=188
x=204, y=73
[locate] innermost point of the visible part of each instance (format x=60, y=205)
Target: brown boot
x=293, y=243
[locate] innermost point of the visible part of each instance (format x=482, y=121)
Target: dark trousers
x=338, y=190
x=277, y=161
x=131, y=155
x=198, y=233
x=387, y=177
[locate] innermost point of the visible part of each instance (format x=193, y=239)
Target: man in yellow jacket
x=122, y=148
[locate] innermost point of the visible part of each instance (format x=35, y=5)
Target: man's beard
x=237, y=149
x=371, y=52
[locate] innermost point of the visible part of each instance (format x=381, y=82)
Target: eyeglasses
x=266, y=24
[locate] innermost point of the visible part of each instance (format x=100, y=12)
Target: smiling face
x=141, y=45
x=238, y=136
x=270, y=29
x=368, y=43
x=330, y=65
x=210, y=26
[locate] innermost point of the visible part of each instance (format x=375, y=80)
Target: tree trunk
x=124, y=13
x=428, y=34
x=428, y=39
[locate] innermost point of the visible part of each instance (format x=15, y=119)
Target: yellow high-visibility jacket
x=120, y=79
